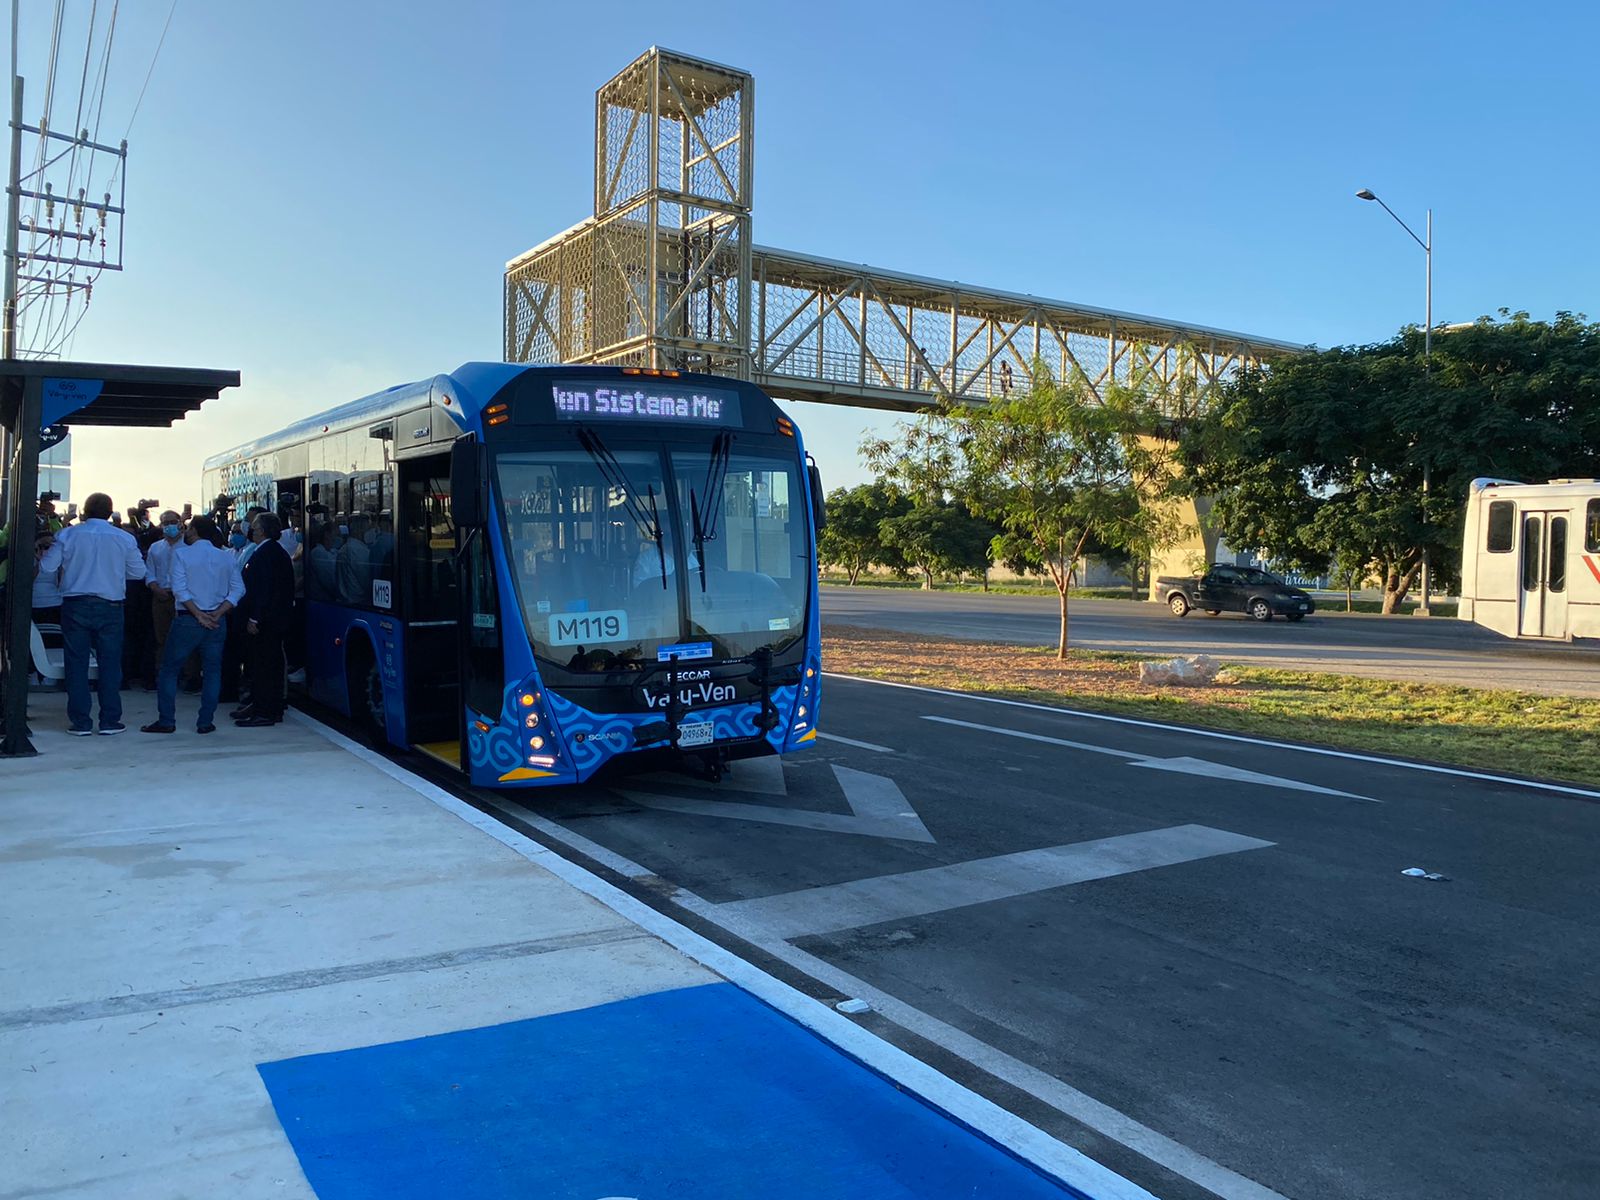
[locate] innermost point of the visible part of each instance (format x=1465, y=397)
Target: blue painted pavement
x=699, y=1094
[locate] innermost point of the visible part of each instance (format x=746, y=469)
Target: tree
x=939, y=539
x=852, y=538
x=1321, y=457
x=1066, y=470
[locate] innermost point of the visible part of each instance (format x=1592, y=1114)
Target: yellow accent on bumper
x=809, y=736
x=524, y=773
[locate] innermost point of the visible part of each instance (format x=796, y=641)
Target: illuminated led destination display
x=646, y=401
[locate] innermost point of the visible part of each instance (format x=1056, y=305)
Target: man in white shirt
x=207, y=584
x=96, y=559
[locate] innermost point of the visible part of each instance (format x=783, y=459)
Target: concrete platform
x=210, y=939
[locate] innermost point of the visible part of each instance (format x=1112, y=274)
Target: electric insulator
x=49, y=202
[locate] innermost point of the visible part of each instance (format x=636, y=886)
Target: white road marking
x=878, y=808
x=1202, y=766
x=1182, y=765
x=1460, y=772
x=939, y=889
x=834, y=737
x=1004, y=1128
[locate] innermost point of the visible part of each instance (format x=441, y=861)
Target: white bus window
x=1591, y=528
x=1502, y=523
x=1530, y=554
x=1556, y=576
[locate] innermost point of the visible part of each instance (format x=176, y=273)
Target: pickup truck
x=1224, y=588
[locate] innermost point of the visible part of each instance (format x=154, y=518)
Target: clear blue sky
x=324, y=195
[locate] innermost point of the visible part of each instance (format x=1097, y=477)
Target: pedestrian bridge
x=666, y=275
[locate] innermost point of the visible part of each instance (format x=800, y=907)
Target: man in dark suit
x=266, y=609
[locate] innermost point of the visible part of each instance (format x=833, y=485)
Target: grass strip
x=1545, y=737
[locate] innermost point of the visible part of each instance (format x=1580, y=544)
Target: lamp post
x=1427, y=369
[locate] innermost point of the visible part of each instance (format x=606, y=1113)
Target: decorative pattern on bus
x=499, y=749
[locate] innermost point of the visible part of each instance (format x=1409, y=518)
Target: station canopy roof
x=110, y=394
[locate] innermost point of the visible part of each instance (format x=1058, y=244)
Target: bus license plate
x=696, y=733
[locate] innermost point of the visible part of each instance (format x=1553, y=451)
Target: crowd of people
x=203, y=602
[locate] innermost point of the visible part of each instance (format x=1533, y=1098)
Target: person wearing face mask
x=158, y=562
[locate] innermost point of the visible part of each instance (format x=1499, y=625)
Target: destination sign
x=655, y=400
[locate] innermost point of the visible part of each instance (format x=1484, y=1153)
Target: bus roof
x=469, y=387
x=1555, y=487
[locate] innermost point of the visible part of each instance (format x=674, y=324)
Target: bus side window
x=1556, y=572
x=1591, y=527
x=1502, y=527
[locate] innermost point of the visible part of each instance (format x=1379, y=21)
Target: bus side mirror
x=818, y=506
x=469, y=482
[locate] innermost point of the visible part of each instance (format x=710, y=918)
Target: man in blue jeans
x=96, y=560
x=206, y=586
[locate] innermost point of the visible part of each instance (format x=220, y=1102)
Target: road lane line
x=1181, y=765
x=1431, y=768
x=834, y=737
x=939, y=889
x=1036, y=737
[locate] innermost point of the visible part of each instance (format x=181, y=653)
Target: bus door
x=429, y=606
x=1543, y=611
x=482, y=658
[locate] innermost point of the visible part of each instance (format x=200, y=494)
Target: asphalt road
x=1434, y=650
x=1195, y=958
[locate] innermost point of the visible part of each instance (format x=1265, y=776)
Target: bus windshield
x=601, y=547
x=742, y=515
x=594, y=580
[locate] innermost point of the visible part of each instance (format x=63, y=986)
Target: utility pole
x=13, y=213
x=1427, y=371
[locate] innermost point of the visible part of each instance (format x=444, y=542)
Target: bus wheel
x=365, y=693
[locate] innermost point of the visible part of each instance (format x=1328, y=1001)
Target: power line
x=152, y=69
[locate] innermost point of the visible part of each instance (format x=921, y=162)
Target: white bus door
x=1544, y=575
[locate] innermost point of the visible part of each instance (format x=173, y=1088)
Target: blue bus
x=528, y=572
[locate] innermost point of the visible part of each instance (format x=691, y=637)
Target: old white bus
x=1530, y=558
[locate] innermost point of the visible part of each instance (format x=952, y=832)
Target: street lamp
x=1427, y=369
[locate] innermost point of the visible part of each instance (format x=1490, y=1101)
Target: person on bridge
x=207, y=585
x=96, y=559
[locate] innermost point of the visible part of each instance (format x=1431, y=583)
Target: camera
x=147, y=504
x=49, y=497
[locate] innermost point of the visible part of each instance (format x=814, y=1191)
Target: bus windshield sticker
x=382, y=596
x=541, y=607
x=684, y=651
x=582, y=628
x=777, y=623
x=672, y=403
x=483, y=620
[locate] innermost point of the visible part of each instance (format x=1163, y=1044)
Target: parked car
x=1258, y=594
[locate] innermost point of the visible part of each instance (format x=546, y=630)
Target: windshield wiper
x=705, y=523
x=661, y=549
x=649, y=523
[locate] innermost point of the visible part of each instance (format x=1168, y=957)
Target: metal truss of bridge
x=665, y=275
